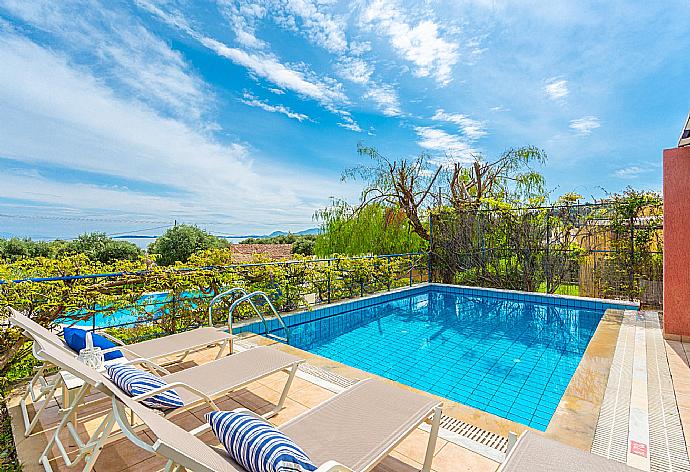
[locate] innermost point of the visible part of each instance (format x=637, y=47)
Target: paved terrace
x=639, y=414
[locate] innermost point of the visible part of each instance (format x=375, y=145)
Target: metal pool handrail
x=222, y=295
x=248, y=298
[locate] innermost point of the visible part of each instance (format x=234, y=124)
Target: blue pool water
x=148, y=306
x=507, y=357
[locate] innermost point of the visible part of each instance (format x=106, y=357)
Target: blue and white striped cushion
x=135, y=382
x=257, y=445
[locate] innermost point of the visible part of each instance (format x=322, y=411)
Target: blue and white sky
x=240, y=116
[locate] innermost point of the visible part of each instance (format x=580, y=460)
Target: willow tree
x=415, y=185
x=374, y=229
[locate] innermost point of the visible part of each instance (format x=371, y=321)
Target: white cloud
x=320, y=28
x=385, y=97
x=420, y=44
x=586, y=125
x=118, y=44
x=354, y=69
x=266, y=66
x=252, y=101
x=241, y=18
x=556, y=89
x=67, y=118
x=631, y=172
x=472, y=129
x=349, y=123
x=454, y=147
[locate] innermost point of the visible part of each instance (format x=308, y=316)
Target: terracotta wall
x=677, y=242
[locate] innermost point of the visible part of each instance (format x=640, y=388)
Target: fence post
x=431, y=242
x=388, y=270
x=328, y=271
x=547, y=263
x=410, y=257
x=174, y=312
x=631, y=265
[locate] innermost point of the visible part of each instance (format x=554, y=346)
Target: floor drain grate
x=474, y=433
x=667, y=449
x=667, y=443
x=326, y=375
x=611, y=434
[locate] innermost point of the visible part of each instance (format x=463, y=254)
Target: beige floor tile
x=228, y=404
x=292, y=409
x=683, y=399
x=252, y=401
x=266, y=394
x=411, y=462
x=414, y=446
x=396, y=464
x=122, y=455
x=453, y=458
x=297, y=384
x=187, y=421
x=152, y=464
x=311, y=396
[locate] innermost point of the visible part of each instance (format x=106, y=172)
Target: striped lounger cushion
x=135, y=382
x=257, y=445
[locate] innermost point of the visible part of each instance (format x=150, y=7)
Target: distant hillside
x=305, y=232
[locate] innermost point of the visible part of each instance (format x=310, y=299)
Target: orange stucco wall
x=677, y=241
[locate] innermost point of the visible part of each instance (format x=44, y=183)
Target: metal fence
x=582, y=250
x=291, y=285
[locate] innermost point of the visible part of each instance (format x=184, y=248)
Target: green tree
x=304, y=246
x=14, y=249
x=415, y=185
x=178, y=243
x=373, y=229
x=99, y=247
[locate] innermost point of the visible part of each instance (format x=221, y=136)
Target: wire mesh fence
x=594, y=250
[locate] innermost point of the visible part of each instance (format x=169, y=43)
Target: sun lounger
x=352, y=431
x=535, y=453
x=196, y=386
x=150, y=350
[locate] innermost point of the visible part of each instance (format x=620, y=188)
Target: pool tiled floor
x=509, y=357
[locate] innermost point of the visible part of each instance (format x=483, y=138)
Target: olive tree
x=178, y=243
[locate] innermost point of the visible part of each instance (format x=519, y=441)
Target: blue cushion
x=257, y=445
x=135, y=382
x=76, y=339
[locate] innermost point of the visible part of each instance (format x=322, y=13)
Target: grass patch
x=8, y=453
x=563, y=289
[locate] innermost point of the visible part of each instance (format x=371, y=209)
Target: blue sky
x=241, y=116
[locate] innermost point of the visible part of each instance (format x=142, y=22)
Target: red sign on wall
x=638, y=448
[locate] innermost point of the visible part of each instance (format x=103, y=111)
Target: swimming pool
x=148, y=306
x=505, y=353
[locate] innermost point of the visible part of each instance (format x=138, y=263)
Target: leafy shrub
x=14, y=249
x=96, y=246
x=99, y=247
x=178, y=243
x=304, y=246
